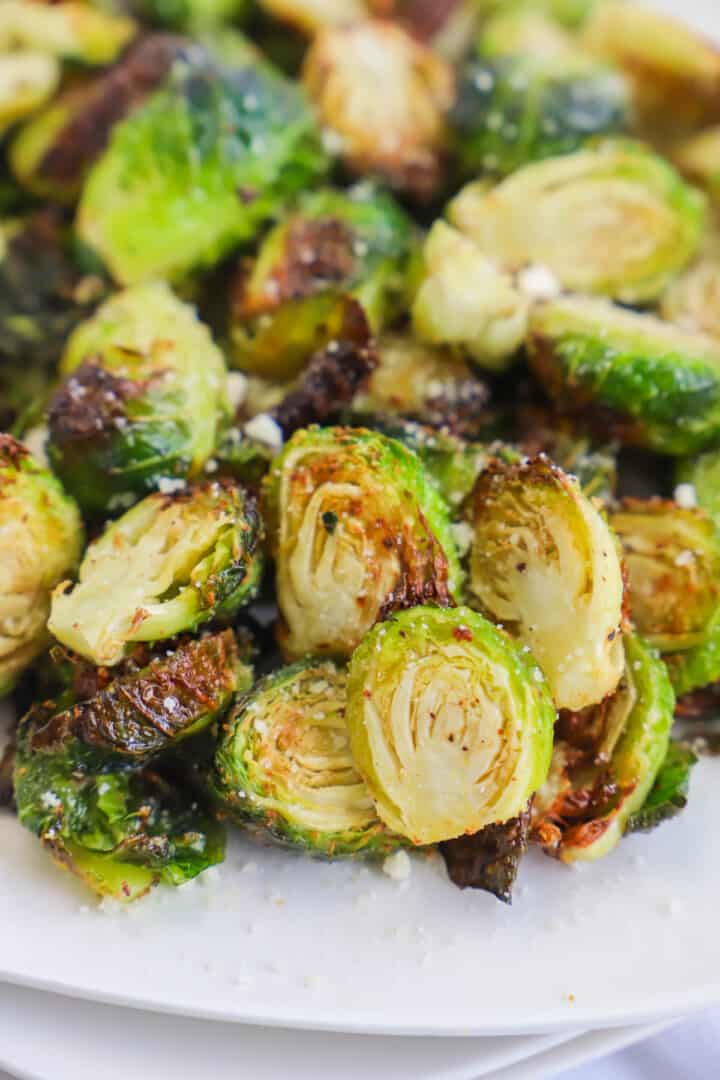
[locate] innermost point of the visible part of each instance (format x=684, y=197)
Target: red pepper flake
x=125, y=888
x=462, y=633
x=367, y=694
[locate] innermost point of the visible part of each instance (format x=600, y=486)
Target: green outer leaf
x=703, y=472
x=668, y=795
x=698, y=666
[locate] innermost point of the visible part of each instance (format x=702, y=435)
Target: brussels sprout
x=120, y=832
x=490, y=858
x=167, y=566
x=195, y=15
x=358, y=243
x=242, y=458
x=568, y=13
x=466, y=302
x=197, y=169
x=675, y=74
x=313, y=15
x=693, y=299
x=283, y=760
x=383, y=96
x=40, y=542
x=595, y=468
x=141, y=403
x=636, y=378
x=450, y=723
x=71, y=31
x=672, y=557
x=702, y=474
x=43, y=294
x=668, y=795
x=517, y=103
x=27, y=81
x=612, y=218
x=544, y=564
x=138, y=715
x=605, y=761
x=54, y=152
x=420, y=382
x=358, y=530
x=699, y=158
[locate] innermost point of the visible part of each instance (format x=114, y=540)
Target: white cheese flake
x=398, y=866
x=538, y=283
x=686, y=496
x=265, y=430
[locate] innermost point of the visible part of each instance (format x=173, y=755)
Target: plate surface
x=276, y=939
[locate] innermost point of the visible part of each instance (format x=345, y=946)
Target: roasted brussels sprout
x=71, y=31
x=606, y=760
x=121, y=832
x=358, y=530
x=40, y=542
x=420, y=382
x=612, y=218
x=194, y=15
x=517, y=103
x=43, y=295
x=197, y=169
x=544, y=564
x=675, y=73
x=138, y=715
x=450, y=723
x=358, y=243
x=672, y=557
x=53, y=153
x=167, y=566
x=466, y=302
x=27, y=81
x=141, y=403
x=638, y=379
x=283, y=761
x=383, y=96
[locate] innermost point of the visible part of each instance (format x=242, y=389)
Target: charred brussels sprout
x=383, y=96
x=466, y=302
x=450, y=723
x=358, y=530
x=675, y=74
x=27, y=81
x=672, y=557
x=178, y=694
x=518, y=103
x=197, y=169
x=141, y=403
x=358, y=243
x=613, y=219
x=40, y=542
x=634, y=377
x=167, y=566
x=283, y=761
x=544, y=564
x=71, y=31
x=120, y=832
x=605, y=761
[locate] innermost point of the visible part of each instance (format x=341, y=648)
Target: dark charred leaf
x=490, y=859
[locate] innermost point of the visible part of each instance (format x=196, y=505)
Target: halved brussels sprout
x=27, y=81
x=693, y=299
x=632, y=376
x=519, y=103
x=358, y=530
x=197, y=169
x=544, y=564
x=72, y=31
x=41, y=539
x=144, y=712
x=283, y=760
x=358, y=243
x=699, y=158
x=53, y=153
x=675, y=73
x=467, y=302
x=450, y=723
x=121, y=832
x=672, y=556
x=613, y=218
x=43, y=295
x=141, y=403
x=383, y=97
x=605, y=761
x=420, y=382
x=167, y=566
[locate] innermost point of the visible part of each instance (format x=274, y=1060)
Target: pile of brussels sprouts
x=360, y=388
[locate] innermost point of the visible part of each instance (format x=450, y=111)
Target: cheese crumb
x=237, y=388
x=538, y=283
x=463, y=534
x=168, y=485
x=686, y=496
x=398, y=866
x=263, y=428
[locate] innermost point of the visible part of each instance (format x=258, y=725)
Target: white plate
x=336, y=947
